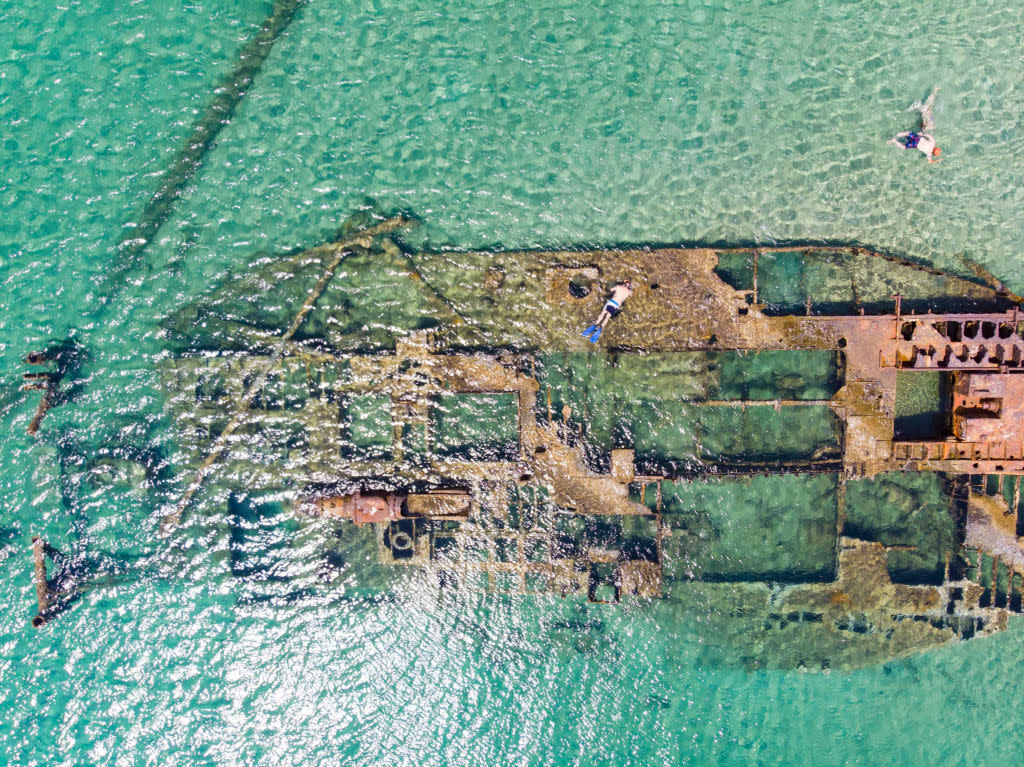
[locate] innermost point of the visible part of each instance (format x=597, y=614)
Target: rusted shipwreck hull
x=463, y=375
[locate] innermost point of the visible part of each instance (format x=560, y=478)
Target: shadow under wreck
x=747, y=440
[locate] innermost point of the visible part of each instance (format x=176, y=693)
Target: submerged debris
x=227, y=94
x=67, y=358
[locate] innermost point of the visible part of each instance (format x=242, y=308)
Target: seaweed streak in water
x=228, y=92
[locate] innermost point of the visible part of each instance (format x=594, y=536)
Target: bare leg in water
x=927, y=118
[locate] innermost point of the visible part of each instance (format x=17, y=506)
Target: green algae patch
x=778, y=374
x=763, y=433
x=689, y=407
x=736, y=269
x=284, y=389
x=666, y=439
x=908, y=511
x=477, y=427
x=781, y=282
x=373, y=298
x=780, y=528
x=367, y=419
x=844, y=281
x=919, y=410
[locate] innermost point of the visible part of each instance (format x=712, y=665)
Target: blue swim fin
x=586, y=333
x=596, y=335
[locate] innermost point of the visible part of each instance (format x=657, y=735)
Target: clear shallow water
x=515, y=126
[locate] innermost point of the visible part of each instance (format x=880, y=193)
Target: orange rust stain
x=838, y=597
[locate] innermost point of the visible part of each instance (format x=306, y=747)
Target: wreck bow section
x=445, y=404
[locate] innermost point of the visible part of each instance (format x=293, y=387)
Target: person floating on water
x=922, y=138
x=620, y=292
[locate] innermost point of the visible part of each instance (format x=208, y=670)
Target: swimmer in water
x=620, y=293
x=921, y=139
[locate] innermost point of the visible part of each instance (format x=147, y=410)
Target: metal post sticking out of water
x=39, y=577
x=228, y=93
x=898, y=297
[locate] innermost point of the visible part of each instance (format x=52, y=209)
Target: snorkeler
x=620, y=293
x=921, y=139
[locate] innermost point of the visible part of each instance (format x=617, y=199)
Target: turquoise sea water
x=512, y=125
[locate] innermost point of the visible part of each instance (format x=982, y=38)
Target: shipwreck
x=821, y=447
